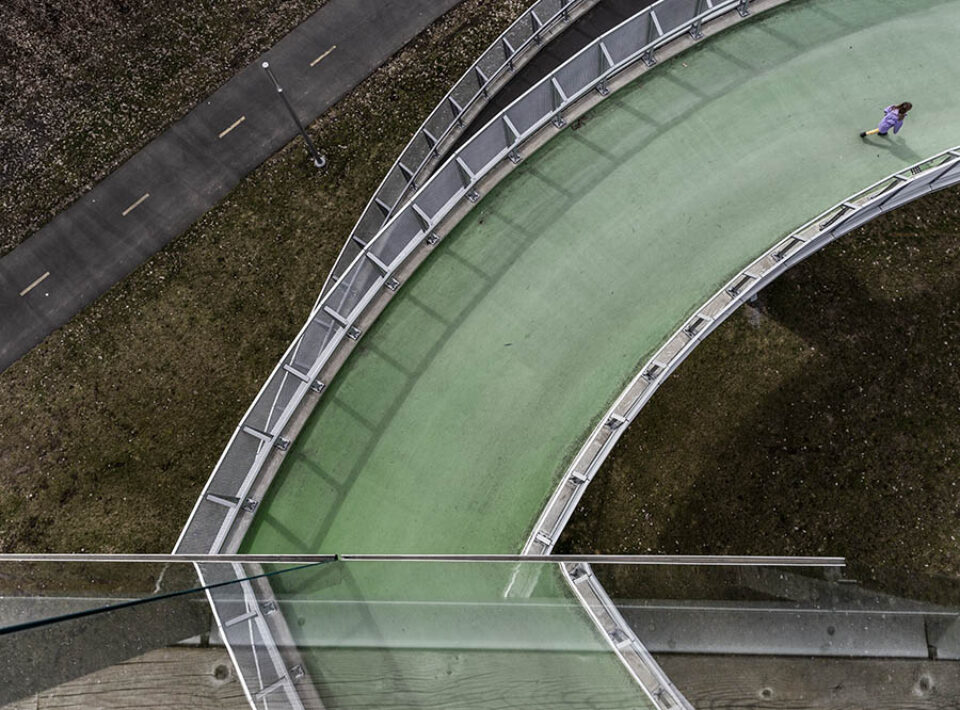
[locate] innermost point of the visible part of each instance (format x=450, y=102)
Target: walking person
x=892, y=118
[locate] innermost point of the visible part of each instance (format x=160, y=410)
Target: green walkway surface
x=449, y=427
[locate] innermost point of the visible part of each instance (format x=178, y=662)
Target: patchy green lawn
x=825, y=420
x=110, y=427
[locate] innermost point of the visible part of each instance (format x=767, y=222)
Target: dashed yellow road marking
x=27, y=290
x=134, y=206
x=233, y=125
x=316, y=61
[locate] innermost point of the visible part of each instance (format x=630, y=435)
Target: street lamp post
x=318, y=159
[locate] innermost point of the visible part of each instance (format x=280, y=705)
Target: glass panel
x=392, y=633
x=157, y=654
x=676, y=13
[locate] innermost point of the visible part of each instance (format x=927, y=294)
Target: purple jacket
x=891, y=119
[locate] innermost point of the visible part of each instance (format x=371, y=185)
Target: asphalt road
x=163, y=189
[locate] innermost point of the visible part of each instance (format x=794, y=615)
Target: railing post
x=512, y=136
x=535, y=25
x=481, y=80
x=457, y=110
x=653, y=26
x=695, y=28
x=564, y=9
x=508, y=52
x=467, y=179
x=432, y=142
x=605, y=63
x=559, y=99
x=742, y=8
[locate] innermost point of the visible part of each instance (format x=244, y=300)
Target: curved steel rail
x=935, y=173
x=511, y=50
x=332, y=325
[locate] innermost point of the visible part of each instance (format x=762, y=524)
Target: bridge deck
x=447, y=429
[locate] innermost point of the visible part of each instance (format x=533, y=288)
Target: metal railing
x=244, y=628
x=934, y=173
x=511, y=50
x=623, y=641
x=333, y=319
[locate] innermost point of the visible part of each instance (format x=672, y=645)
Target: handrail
x=380, y=202
x=373, y=268
x=934, y=173
x=301, y=559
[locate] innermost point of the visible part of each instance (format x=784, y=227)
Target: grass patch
x=111, y=426
x=824, y=420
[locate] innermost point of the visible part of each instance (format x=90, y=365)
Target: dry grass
x=87, y=83
x=111, y=426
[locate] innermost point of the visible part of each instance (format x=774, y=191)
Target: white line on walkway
x=134, y=206
x=233, y=125
x=27, y=290
x=316, y=61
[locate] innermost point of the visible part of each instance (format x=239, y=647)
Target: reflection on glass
x=471, y=634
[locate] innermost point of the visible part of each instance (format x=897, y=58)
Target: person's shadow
x=896, y=146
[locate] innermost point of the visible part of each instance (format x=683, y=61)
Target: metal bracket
x=739, y=284
x=353, y=333
x=781, y=253
x=558, y=121
x=268, y=607
x=431, y=239
x=742, y=8
x=648, y=58
x=317, y=386
x=296, y=672
x=473, y=196
x=615, y=421
x=392, y=284
x=619, y=638
x=281, y=444
x=249, y=505
x=691, y=330
x=514, y=156
x=602, y=88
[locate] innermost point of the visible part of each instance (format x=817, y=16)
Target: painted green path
x=451, y=424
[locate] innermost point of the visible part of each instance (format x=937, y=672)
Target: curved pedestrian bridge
x=449, y=426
